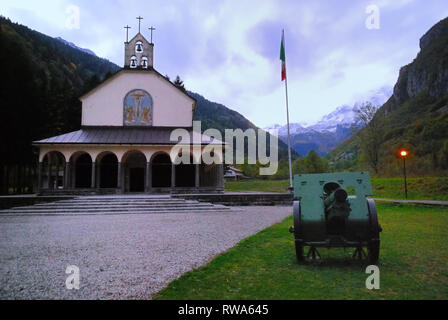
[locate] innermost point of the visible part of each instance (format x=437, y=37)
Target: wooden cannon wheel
x=298, y=238
x=373, y=249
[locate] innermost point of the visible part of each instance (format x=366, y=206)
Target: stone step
x=68, y=202
x=22, y=214
x=123, y=201
x=126, y=207
x=95, y=198
x=112, y=211
x=114, y=205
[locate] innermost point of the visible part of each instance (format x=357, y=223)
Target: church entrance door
x=136, y=179
x=134, y=167
x=161, y=171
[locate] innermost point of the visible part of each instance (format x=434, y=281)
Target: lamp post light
x=404, y=154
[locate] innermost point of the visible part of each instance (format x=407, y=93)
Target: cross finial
x=127, y=32
x=151, y=29
x=139, y=21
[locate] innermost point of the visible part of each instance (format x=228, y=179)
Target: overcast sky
x=228, y=51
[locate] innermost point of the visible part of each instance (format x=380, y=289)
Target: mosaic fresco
x=137, y=109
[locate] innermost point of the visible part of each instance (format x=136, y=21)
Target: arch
x=53, y=166
x=161, y=170
x=144, y=62
x=210, y=175
x=107, y=163
x=215, y=152
x=133, y=62
x=139, y=47
x=52, y=154
x=81, y=162
x=185, y=174
x=134, y=162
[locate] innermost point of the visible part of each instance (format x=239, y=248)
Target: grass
x=393, y=188
x=413, y=261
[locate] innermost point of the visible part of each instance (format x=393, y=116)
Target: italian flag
x=282, y=56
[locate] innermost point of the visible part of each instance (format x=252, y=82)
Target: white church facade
x=124, y=144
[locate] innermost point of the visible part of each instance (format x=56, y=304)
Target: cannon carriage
x=325, y=215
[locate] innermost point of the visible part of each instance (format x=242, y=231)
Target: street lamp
x=404, y=154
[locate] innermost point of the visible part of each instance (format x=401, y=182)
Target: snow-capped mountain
x=331, y=129
x=71, y=44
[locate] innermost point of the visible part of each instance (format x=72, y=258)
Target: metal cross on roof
x=127, y=32
x=139, y=21
x=151, y=29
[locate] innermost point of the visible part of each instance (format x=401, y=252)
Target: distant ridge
x=416, y=115
x=332, y=129
x=71, y=44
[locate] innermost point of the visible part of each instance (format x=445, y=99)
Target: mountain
x=416, y=115
x=218, y=116
x=42, y=80
x=332, y=129
x=71, y=44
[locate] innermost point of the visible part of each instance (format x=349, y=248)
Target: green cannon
x=325, y=215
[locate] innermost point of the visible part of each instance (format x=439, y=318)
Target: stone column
x=98, y=175
x=220, y=177
x=173, y=175
x=93, y=180
x=39, y=176
x=49, y=173
x=119, y=182
x=67, y=176
x=148, y=177
x=73, y=175
x=197, y=168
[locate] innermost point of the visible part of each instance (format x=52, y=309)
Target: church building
x=124, y=143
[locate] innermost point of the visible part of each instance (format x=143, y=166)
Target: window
x=144, y=63
x=133, y=62
x=139, y=47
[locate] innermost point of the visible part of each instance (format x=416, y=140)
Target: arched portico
x=107, y=170
x=83, y=170
x=185, y=173
x=52, y=173
x=161, y=168
x=118, y=169
x=134, y=165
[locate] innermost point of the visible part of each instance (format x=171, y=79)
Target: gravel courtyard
x=127, y=256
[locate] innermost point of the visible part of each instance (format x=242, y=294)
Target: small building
x=124, y=143
x=233, y=174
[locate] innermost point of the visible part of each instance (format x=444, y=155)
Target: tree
x=312, y=163
x=179, y=83
x=443, y=155
x=371, y=134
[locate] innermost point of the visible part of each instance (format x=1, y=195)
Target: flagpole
x=287, y=120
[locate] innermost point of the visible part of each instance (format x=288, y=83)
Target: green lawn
x=413, y=264
x=418, y=188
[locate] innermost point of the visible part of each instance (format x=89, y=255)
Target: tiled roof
x=121, y=135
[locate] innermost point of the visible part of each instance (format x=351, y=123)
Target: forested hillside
x=42, y=79
x=218, y=116
x=414, y=118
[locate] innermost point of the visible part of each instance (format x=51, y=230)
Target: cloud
x=228, y=51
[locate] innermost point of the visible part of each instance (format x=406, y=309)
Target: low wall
x=242, y=199
x=7, y=202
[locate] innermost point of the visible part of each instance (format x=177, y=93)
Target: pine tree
x=179, y=83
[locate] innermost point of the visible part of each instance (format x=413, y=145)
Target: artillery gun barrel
x=339, y=195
